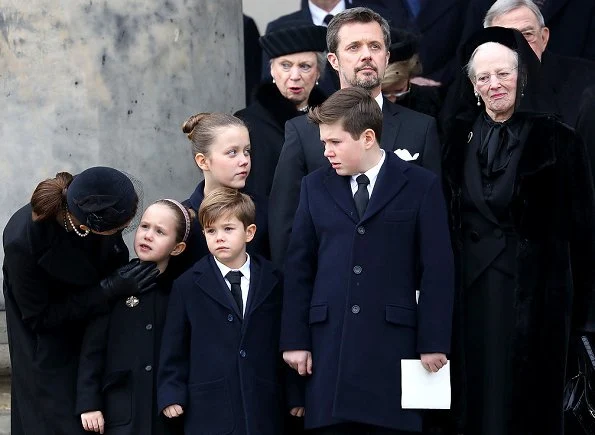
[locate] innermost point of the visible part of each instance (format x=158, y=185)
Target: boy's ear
x=369, y=138
x=333, y=60
x=178, y=249
x=250, y=232
x=201, y=161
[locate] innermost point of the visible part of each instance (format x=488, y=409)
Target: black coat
x=119, y=363
x=302, y=153
x=196, y=248
x=266, y=118
x=553, y=213
x=222, y=369
x=51, y=289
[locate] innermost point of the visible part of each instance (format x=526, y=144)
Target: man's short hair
x=501, y=7
x=354, y=107
x=354, y=15
x=224, y=202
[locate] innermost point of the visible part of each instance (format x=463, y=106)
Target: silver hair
x=469, y=67
x=320, y=61
x=501, y=7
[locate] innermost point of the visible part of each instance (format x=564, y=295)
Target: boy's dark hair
x=354, y=107
x=225, y=201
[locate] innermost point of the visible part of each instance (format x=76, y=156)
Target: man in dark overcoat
x=414, y=136
x=354, y=263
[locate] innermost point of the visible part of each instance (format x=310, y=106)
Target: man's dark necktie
x=235, y=277
x=361, y=197
x=327, y=19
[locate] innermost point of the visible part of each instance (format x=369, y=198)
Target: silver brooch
x=469, y=137
x=132, y=301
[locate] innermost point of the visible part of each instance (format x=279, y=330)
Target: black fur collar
x=280, y=107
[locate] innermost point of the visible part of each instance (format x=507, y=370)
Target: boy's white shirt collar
x=372, y=175
x=318, y=14
x=245, y=269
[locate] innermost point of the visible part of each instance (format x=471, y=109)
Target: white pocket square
x=404, y=154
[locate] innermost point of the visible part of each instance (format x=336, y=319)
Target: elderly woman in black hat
x=523, y=225
x=404, y=64
x=65, y=260
x=297, y=63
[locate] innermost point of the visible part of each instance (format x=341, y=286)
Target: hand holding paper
x=421, y=389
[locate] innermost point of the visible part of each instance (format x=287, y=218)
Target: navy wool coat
x=350, y=291
x=221, y=369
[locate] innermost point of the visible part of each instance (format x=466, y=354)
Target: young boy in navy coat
x=220, y=353
x=369, y=231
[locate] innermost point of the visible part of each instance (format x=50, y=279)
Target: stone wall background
x=89, y=82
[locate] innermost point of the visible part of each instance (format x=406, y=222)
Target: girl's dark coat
x=553, y=213
x=50, y=288
x=118, y=366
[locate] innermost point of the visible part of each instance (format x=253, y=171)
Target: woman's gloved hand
x=133, y=278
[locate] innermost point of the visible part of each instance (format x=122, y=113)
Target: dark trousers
x=356, y=429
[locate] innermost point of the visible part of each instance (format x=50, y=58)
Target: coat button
x=474, y=236
x=148, y=326
x=230, y=318
x=148, y=368
x=498, y=233
x=355, y=309
x=243, y=353
x=361, y=230
x=357, y=270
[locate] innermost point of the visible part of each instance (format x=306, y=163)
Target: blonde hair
x=201, y=129
x=402, y=70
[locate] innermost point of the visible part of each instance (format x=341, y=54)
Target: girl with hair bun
x=64, y=262
x=120, y=352
x=221, y=150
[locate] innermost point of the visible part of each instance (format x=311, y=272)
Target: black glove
x=133, y=278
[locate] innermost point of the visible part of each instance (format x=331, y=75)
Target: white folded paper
x=421, y=389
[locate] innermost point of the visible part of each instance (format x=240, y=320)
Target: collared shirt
x=379, y=99
x=244, y=282
x=372, y=175
x=318, y=14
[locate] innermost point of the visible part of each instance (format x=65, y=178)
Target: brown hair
x=49, y=196
x=354, y=107
x=180, y=218
x=201, y=129
x=225, y=201
x=354, y=15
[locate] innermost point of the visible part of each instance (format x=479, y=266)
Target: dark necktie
x=327, y=19
x=235, y=277
x=361, y=197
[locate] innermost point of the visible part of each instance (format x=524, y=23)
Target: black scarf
x=497, y=140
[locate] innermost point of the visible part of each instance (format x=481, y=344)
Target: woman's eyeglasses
x=503, y=75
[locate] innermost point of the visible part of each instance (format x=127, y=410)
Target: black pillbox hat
x=403, y=45
x=293, y=37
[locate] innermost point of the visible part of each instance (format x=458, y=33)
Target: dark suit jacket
x=350, y=291
x=302, y=153
x=221, y=369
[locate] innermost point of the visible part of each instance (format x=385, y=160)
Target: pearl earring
x=316, y=82
x=274, y=81
x=477, y=96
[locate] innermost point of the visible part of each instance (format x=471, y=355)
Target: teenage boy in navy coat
x=359, y=250
x=220, y=353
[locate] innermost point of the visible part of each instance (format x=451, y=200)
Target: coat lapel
x=262, y=283
x=339, y=189
x=210, y=281
x=389, y=183
x=391, y=124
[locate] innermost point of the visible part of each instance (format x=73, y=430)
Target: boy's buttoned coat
x=221, y=369
x=350, y=291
